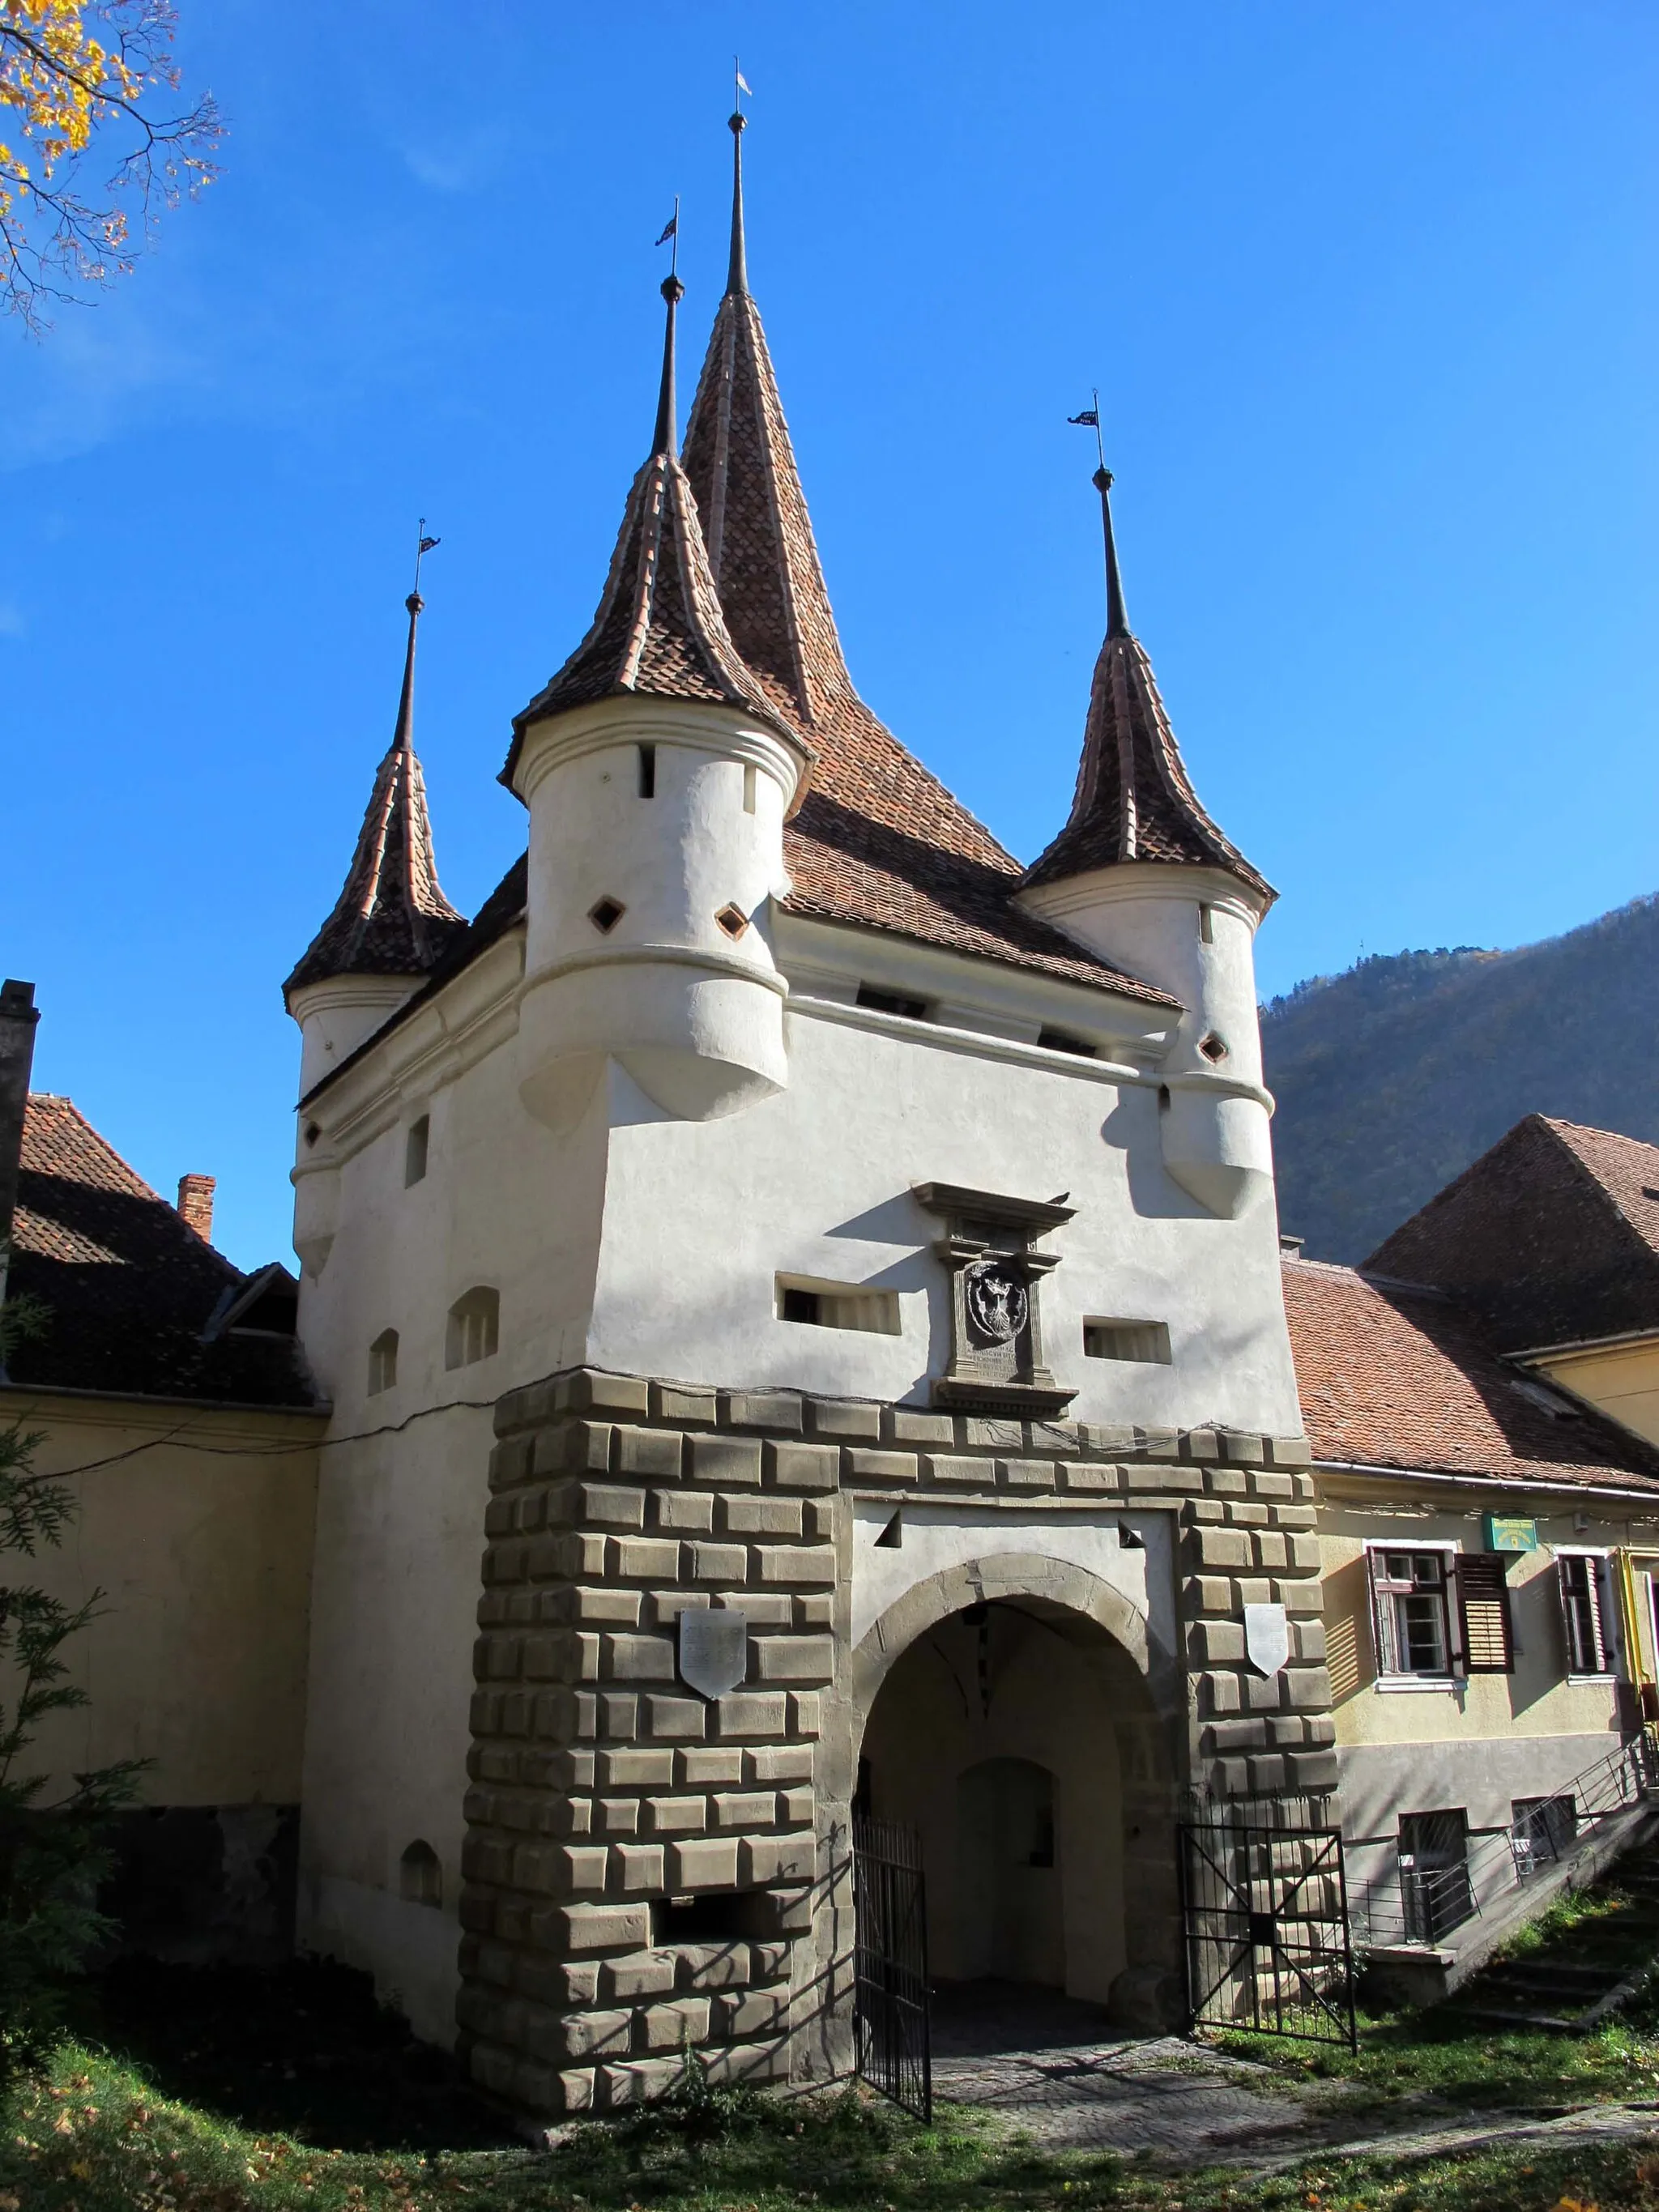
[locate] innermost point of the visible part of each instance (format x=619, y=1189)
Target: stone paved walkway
x=1059, y=2070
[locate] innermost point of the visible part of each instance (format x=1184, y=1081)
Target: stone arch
x=1055, y=1586
x=1111, y=1712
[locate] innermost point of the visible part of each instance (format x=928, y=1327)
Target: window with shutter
x=1483, y=1609
x=1583, y=1614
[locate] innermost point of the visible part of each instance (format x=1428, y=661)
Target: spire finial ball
x=415, y=603
x=1103, y=479
x=737, y=124
x=672, y=290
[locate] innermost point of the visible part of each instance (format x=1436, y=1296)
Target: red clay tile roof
x=391, y=917
x=1553, y=1235
x=1394, y=1376
x=1134, y=799
x=129, y=1286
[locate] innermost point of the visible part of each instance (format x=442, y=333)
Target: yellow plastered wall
x=1537, y=1699
x=197, y=1660
x=1619, y=1380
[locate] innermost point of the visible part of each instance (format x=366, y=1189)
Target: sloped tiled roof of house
x=1552, y=1234
x=129, y=1286
x=1395, y=1375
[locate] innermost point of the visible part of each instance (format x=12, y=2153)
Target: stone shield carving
x=1266, y=1637
x=714, y=1648
x=999, y=1304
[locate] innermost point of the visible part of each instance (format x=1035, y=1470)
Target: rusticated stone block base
x=647, y=1871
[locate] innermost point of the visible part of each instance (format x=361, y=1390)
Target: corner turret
x=389, y=928
x=658, y=776
x=1142, y=876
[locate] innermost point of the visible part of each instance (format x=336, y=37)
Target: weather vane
x=1090, y=418
x=423, y=545
x=670, y=231
x=740, y=84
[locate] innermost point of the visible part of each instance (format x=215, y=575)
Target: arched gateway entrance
x=1021, y=1715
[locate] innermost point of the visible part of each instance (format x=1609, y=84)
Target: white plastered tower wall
x=335, y=1015
x=1191, y=930
x=650, y=819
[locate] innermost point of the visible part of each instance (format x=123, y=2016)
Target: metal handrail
x=1439, y=1899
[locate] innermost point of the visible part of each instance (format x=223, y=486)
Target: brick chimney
x=18, y=1017
x=196, y=1204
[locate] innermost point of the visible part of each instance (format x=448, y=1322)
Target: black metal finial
x=403, y=738
x=736, y=275
x=673, y=292
x=1117, y=622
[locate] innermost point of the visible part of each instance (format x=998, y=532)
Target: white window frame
x=1613, y=1630
x=1410, y=1684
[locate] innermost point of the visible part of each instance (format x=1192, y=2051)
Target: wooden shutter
x=1583, y=1621
x=1483, y=1613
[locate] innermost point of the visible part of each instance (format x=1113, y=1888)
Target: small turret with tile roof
x=1142, y=876
x=657, y=771
x=391, y=924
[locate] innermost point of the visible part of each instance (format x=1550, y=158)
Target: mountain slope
x=1392, y=1077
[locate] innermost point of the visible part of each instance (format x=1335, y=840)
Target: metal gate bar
x=1264, y=1920
x=891, y=2027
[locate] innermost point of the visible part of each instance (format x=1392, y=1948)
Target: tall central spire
x=1117, y=622
x=742, y=467
x=659, y=629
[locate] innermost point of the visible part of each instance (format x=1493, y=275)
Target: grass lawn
x=196, y=2090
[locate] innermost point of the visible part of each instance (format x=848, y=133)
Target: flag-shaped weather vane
x=1090, y=420
x=670, y=231
x=423, y=545
x=740, y=84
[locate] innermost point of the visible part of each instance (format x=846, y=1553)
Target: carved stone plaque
x=1266, y=1637
x=998, y=1304
x=996, y=1268
x=714, y=1648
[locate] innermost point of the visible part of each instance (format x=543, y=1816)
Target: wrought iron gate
x=1265, y=1923
x=890, y=2022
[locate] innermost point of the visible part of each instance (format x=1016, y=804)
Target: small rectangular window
x=749, y=786
x=892, y=1002
x=415, y=1145
x=1206, y=924
x=1409, y=1612
x=1540, y=1829
x=648, y=771
x=1063, y=1040
x=1581, y=1581
x=837, y=1305
x=1147, y=1341
x=383, y=1362
x=1434, y=1875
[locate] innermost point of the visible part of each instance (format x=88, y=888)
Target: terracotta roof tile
x=1394, y=1376
x=129, y=1286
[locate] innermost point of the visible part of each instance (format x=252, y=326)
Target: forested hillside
x=1392, y=1077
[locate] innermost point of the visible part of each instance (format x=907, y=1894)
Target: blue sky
x=1367, y=290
